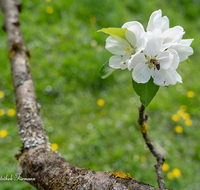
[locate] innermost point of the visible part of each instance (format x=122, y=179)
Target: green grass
x=65, y=68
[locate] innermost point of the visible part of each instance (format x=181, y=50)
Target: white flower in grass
x=123, y=49
x=155, y=63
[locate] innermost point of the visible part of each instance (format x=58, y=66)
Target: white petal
x=183, y=50
x=128, y=24
x=116, y=45
x=173, y=77
x=185, y=42
x=141, y=73
x=141, y=44
x=131, y=38
x=154, y=18
x=135, y=27
x=139, y=40
x=172, y=36
x=176, y=59
x=157, y=21
x=159, y=77
x=136, y=59
x=164, y=23
x=165, y=59
x=164, y=77
x=116, y=61
x=154, y=43
x=123, y=65
x=178, y=77
x=173, y=33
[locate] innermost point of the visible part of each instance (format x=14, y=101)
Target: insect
x=156, y=63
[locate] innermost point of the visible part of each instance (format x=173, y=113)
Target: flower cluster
x=155, y=53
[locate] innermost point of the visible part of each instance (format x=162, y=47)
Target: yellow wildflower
x=143, y=158
x=93, y=19
x=11, y=112
x=176, y=172
x=101, y=113
x=180, y=112
x=2, y=112
x=175, y=117
x=54, y=146
x=183, y=107
x=165, y=167
x=49, y=10
x=179, y=129
x=170, y=175
x=100, y=102
x=188, y=122
x=3, y=133
x=50, y=122
x=186, y=116
x=2, y=94
x=190, y=94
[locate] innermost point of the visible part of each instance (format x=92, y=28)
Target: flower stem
x=142, y=120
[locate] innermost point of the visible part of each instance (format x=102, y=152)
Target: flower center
x=153, y=62
x=128, y=49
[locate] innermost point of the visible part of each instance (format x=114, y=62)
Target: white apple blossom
x=123, y=49
x=155, y=63
x=162, y=54
x=155, y=53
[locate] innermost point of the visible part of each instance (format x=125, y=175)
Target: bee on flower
x=166, y=48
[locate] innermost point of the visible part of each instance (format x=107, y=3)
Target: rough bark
x=37, y=161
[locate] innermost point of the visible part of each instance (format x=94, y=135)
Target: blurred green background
x=93, y=122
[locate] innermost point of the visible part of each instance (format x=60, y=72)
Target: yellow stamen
x=128, y=49
x=149, y=62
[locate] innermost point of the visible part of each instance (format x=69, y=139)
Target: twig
x=142, y=120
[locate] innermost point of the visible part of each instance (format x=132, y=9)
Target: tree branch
x=142, y=120
x=47, y=169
